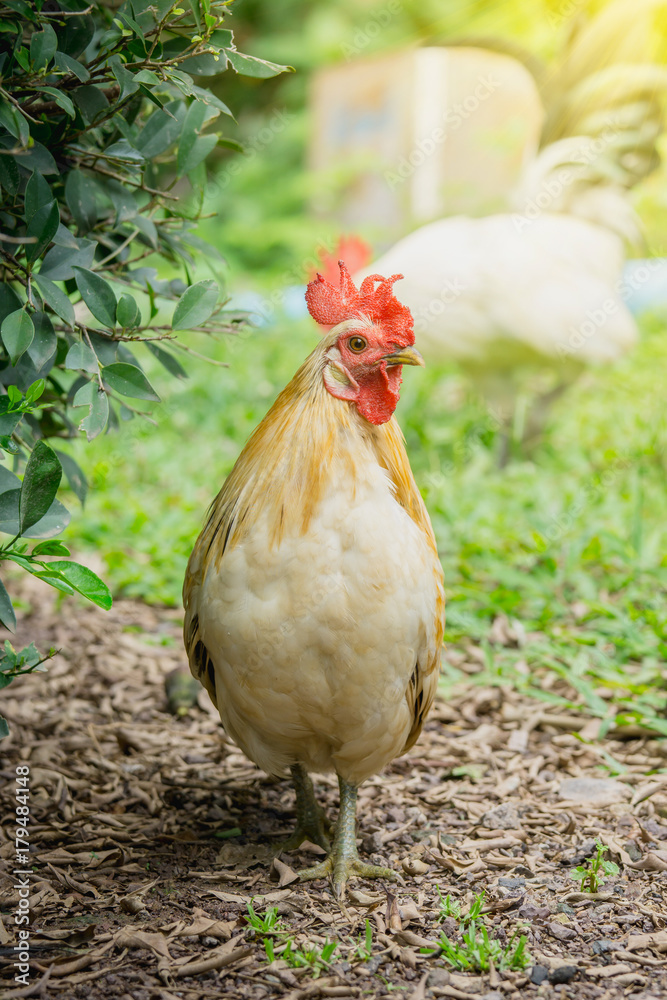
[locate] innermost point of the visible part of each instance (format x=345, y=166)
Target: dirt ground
x=150, y=834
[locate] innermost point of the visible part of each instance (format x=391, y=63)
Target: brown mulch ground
x=150, y=834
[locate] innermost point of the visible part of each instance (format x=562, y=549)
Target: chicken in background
x=314, y=604
x=526, y=300
x=352, y=249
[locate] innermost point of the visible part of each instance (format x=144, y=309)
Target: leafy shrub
x=104, y=137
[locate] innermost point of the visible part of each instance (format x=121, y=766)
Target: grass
x=279, y=945
x=593, y=873
x=477, y=951
x=571, y=544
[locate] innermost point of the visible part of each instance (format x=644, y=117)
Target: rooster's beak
x=406, y=356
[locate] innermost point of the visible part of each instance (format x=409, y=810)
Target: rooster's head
x=373, y=337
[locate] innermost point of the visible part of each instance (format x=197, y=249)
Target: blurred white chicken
x=537, y=291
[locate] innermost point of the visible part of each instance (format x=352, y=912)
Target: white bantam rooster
x=508, y=297
x=525, y=300
x=314, y=603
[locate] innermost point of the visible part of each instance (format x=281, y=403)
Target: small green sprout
x=270, y=923
x=315, y=959
x=477, y=950
x=448, y=907
x=273, y=932
x=364, y=949
x=593, y=874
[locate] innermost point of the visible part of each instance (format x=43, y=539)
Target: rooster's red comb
x=329, y=305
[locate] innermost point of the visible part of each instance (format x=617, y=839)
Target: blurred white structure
x=425, y=132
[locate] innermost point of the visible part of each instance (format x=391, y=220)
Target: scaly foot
x=341, y=868
x=311, y=822
x=343, y=861
x=316, y=832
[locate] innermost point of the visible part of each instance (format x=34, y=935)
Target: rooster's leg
x=311, y=823
x=343, y=861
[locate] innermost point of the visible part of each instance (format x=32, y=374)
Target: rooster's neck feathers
x=307, y=437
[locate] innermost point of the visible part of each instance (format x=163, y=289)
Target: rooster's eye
x=357, y=344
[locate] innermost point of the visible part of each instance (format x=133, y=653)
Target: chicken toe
x=343, y=861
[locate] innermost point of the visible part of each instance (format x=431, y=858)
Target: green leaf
x=8, y=424
x=44, y=342
x=122, y=150
x=96, y=400
x=80, y=357
x=14, y=122
x=134, y=26
x=147, y=92
x=147, y=228
x=80, y=198
x=76, y=34
x=231, y=144
x=97, y=294
x=61, y=99
x=59, y=263
x=190, y=151
x=183, y=81
x=161, y=130
x=9, y=300
x=56, y=299
x=84, y=581
x=209, y=98
x=128, y=380
x=252, y=66
x=53, y=580
x=195, y=305
x=206, y=64
x=91, y=102
x=196, y=154
x=54, y=521
x=65, y=64
x=43, y=45
x=75, y=477
x=167, y=360
x=9, y=174
x=42, y=227
x=124, y=203
x=4, y=727
x=35, y=391
x=50, y=548
x=8, y=481
x=194, y=7
x=40, y=485
x=17, y=333
x=37, y=195
x=7, y=615
x=147, y=76
x=9, y=511
x=127, y=312
x=38, y=158
x=126, y=80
